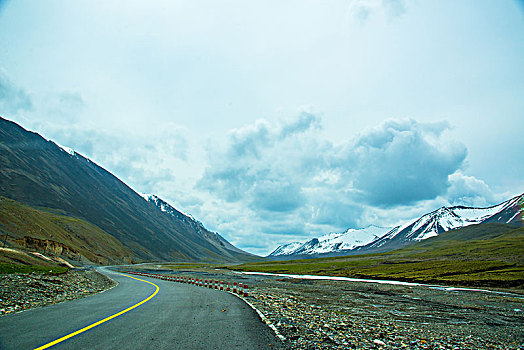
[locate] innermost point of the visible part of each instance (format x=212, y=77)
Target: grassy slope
x=14, y=268
x=18, y=220
x=480, y=255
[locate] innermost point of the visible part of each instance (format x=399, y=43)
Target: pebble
x=307, y=325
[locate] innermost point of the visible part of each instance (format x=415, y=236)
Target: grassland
x=489, y=255
x=179, y=266
x=15, y=268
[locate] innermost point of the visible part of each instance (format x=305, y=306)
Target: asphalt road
x=179, y=316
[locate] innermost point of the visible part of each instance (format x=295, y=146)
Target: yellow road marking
x=54, y=342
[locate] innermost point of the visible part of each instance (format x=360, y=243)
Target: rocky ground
x=314, y=314
x=24, y=291
x=321, y=315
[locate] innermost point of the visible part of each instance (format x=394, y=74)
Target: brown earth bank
x=356, y=315
x=20, y=292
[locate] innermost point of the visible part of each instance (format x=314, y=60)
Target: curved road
x=179, y=316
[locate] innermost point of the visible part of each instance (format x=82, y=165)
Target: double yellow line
x=86, y=328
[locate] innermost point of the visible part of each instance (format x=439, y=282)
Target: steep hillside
x=212, y=237
x=38, y=173
x=57, y=235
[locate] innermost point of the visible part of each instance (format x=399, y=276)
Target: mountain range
x=333, y=242
x=59, y=187
x=375, y=239
x=55, y=200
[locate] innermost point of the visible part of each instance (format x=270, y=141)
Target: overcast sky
x=278, y=121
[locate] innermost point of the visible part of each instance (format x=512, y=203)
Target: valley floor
x=335, y=315
x=354, y=315
x=316, y=314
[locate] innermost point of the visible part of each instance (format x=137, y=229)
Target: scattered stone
x=25, y=291
x=379, y=342
x=341, y=321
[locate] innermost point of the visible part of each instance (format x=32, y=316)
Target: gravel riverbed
x=315, y=314
x=331, y=315
x=24, y=291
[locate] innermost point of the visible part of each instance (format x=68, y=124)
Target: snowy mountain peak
x=63, y=148
x=212, y=237
x=333, y=242
x=373, y=238
x=450, y=218
x=163, y=205
x=167, y=208
x=286, y=249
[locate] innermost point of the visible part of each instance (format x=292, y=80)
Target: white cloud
x=402, y=162
x=470, y=191
x=288, y=180
x=13, y=99
x=362, y=10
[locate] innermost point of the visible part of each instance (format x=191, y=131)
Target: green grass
x=181, y=266
x=45, y=270
x=484, y=255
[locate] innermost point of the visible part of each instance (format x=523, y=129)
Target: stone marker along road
x=140, y=315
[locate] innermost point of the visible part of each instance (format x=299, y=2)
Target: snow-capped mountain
x=168, y=208
x=287, y=249
x=211, y=237
x=378, y=239
x=333, y=242
x=448, y=218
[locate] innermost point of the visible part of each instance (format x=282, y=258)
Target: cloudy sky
x=277, y=121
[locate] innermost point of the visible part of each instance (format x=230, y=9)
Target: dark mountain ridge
x=213, y=237
x=39, y=173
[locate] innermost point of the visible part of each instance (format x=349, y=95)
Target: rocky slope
x=20, y=292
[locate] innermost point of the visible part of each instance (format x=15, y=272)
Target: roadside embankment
x=25, y=291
